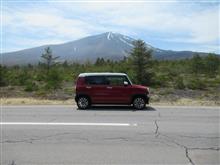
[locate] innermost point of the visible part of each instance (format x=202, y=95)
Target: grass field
x=159, y=96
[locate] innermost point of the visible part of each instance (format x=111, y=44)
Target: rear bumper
x=76, y=97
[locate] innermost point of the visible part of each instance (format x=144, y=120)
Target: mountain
x=108, y=45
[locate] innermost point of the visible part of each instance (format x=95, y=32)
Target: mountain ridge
x=109, y=45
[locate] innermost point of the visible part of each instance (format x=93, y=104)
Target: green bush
x=179, y=84
x=41, y=93
x=3, y=76
x=30, y=86
x=54, y=79
x=40, y=76
x=161, y=79
x=195, y=83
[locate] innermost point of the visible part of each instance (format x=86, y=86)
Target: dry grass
x=188, y=102
x=34, y=101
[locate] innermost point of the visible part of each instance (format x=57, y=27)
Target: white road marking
x=68, y=124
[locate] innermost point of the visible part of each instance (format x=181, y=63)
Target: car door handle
x=88, y=87
x=109, y=87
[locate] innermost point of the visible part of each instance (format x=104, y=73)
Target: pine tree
x=140, y=58
x=48, y=57
x=197, y=65
x=211, y=64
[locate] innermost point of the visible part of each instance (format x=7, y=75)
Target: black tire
x=83, y=102
x=139, y=103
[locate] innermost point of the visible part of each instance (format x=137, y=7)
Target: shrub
x=161, y=79
x=179, y=84
x=195, y=83
x=30, y=86
x=54, y=79
x=3, y=75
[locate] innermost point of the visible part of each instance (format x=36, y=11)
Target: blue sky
x=173, y=25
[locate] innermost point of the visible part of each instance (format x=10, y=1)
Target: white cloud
x=205, y=27
x=48, y=21
x=201, y=27
x=56, y=24
x=70, y=21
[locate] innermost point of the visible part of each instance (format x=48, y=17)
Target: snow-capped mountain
x=108, y=45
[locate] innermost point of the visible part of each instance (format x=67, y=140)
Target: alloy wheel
x=139, y=103
x=83, y=103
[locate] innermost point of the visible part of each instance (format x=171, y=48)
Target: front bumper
x=147, y=99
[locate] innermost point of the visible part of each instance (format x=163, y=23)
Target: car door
x=97, y=87
x=118, y=92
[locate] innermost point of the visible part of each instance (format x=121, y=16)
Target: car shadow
x=118, y=108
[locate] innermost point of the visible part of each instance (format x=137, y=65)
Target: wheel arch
x=82, y=95
x=139, y=95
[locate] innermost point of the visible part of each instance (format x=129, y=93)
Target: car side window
x=96, y=80
x=116, y=80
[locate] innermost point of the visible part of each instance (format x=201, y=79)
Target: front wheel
x=83, y=102
x=139, y=103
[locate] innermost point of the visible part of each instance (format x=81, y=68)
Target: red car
x=109, y=88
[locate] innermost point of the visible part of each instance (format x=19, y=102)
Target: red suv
x=109, y=88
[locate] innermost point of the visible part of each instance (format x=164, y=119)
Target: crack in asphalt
x=187, y=155
x=157, y=133
x=182, y=146
x=17, y=141
x=187, y=149
x=156, y=129
x=195, y=137
x=210, y=148
x=117, y=138
x=187, y=152
x=41, y=138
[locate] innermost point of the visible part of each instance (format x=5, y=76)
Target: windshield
x=129, y=80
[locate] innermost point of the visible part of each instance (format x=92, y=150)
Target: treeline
x=195, y=73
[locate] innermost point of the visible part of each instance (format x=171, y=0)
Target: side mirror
x=125, y=83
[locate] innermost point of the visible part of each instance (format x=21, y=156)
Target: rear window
x=116, y=80
x=96, y=80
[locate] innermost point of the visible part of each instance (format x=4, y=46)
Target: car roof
x=101, y=74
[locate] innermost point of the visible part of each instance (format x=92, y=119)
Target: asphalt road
x=53, y=135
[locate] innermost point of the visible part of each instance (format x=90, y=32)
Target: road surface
x=54, y=135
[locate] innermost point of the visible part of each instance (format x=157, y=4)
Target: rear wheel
x=139, y=103
x=83, y=102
